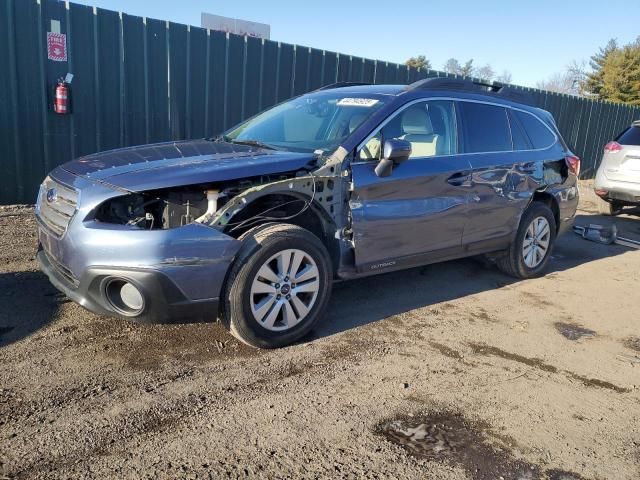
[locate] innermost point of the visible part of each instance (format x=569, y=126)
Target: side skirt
x=395, y=264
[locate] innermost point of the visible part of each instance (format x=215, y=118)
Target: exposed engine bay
x=231, y=206
x=165, y=209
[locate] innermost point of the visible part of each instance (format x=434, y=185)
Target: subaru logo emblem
x=52, y=195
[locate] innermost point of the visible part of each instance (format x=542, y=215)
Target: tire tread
x=512, y=263
x=264, y=236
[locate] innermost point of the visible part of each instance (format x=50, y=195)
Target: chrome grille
x=57, y=204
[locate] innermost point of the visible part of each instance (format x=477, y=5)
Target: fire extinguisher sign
x=57, y=47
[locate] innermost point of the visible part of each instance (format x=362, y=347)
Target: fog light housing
x=124, y=297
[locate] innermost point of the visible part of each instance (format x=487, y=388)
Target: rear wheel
x=611, y=207
x=530, y=251
x=279, y=286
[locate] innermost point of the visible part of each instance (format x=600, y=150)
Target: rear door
x=499, y=175
x=421, y=207
x=624, y=165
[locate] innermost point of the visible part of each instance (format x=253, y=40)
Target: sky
x=533, y=39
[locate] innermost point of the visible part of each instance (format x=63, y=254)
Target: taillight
x=573, y=163
x=612, y=147
x=601, y=192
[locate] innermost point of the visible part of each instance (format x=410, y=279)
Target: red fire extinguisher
x=61, y=103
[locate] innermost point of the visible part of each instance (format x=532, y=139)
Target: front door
x=420, y=209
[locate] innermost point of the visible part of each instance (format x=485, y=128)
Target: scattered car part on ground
x=604, y=234
x=348, y=181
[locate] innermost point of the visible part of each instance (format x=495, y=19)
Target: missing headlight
x=154, y=210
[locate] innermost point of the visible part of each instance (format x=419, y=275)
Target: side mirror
x=384, y=167
x=396, y=151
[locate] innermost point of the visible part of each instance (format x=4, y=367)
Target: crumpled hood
x=187, y=162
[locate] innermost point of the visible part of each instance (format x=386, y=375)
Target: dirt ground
x=450, y=371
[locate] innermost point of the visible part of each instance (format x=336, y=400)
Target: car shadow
x=367, y=300
x=28, y=302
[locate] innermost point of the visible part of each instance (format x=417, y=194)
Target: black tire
x=513, y=262
x=258, y=246
x=609, y=207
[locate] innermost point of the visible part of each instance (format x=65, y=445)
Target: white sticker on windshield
x=357, y=102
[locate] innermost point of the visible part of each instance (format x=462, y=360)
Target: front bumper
x=180, y=272
x=164, y=302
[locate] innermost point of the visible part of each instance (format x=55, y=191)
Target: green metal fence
x=139, y=80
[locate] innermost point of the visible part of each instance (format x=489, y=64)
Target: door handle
x=460, y=179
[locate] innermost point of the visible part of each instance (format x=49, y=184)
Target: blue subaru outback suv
x=253, y=226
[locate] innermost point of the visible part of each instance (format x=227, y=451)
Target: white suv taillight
x=573, y=163
x=612, y=147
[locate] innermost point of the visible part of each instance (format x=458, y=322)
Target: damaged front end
x=236, y=205
x=163, y=254
x=163, y=222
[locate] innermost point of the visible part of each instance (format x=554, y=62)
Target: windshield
x=317, y=121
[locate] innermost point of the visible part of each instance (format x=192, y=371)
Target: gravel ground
x=450, y=371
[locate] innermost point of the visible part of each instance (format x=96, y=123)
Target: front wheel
x=530, y=251
x=278, y=287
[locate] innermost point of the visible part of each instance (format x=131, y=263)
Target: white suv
x=618, y=178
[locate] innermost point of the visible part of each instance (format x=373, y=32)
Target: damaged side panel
x=324, y=186
x=503, y=185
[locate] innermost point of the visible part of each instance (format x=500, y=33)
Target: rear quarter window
x=538, y=133
x=631, y=136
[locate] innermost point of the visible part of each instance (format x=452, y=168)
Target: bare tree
x=504, y=77
x=453, y=66
x=571, y=81
x=560, y=82
x=485, y=73
x=468, y=68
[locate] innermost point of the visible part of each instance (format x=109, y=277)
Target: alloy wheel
x=536, y=242
x=284, y=290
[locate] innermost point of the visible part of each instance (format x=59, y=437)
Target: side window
x=539, y=134
x=631, y=136
x=520, y=139
x=372, y=149
x=485, y=128
x=429, y=126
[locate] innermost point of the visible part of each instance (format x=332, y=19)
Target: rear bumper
x=164, y=301
x=628, y=192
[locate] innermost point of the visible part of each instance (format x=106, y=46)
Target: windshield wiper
x=252, y=143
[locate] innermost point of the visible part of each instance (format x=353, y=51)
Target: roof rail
x=495, y=89
x=342, y=84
